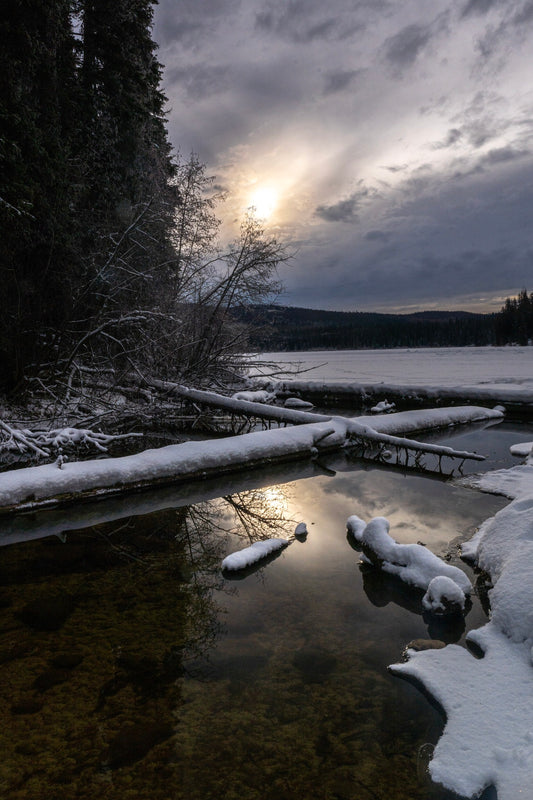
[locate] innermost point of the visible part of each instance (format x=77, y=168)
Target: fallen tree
x=307, y=436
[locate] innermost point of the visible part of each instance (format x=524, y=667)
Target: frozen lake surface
x=447, y=366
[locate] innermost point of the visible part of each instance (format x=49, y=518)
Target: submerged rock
x=425, y=644
x=133, y=742
x=314, y=665
x=47, y=613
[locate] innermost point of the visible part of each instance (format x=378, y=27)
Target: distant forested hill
x=285, y=328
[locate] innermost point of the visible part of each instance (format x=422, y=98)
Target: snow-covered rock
x=413, y=563
x=250, y=555
x=301, y=529
x=521, y=450
x=297, y=402
x=443, y=596
x=383, y=407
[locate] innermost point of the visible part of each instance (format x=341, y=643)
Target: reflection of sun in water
x=276, y=501
x=264, y=200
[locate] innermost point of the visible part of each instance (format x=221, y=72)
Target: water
x=131, y=668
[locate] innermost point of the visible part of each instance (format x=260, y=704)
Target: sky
x=389, y=143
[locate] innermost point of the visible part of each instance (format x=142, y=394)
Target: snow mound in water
x=413, y=563
x=249, y=555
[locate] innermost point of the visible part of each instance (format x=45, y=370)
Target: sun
x=263, y=201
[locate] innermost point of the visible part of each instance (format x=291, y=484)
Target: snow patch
x=297, y=402
x=259, y=396
x=250, y=555
x=522, y=450
x=413, y=563
x=383, y=407
x=443, y=596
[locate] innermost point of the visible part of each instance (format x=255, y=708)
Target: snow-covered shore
x=488, y=738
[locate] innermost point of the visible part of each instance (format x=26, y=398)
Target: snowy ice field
x=446, y=366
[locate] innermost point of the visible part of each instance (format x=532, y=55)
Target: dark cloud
x=396, y=168
x=181, y=22
x=344, y=210
x=402, y=49
x=305, y=21
x=199, y=81
x=378, y=236
x=292, y=20
x=500, y=155
x=453, y=136
x=478, y=7
x=338, y=81
x=525, y=15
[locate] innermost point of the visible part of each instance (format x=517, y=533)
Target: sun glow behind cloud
x=264, y=201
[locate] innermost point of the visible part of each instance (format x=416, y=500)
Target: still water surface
x=132, y=668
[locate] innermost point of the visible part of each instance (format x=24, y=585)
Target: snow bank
x=518, y=393
x=488, y=738
x=413, y=563
x=250, y=555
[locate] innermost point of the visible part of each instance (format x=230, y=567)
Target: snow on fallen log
x=259, y=396
x=48, y=485
x=309, y=433
x=512, y=395
x=412, y=563
x=244, y=558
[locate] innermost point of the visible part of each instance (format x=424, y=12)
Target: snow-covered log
x=412, y=563
x=255, y=552
x=308, y=434
x=47, y=485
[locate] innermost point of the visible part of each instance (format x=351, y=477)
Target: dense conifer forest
x=283, y=328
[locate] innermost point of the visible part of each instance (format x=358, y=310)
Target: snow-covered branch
x=43, y=443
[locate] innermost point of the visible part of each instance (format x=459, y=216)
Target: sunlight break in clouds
x=263, y=201
x=397, y=136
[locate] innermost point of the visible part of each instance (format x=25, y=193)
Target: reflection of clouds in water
x=419, y=508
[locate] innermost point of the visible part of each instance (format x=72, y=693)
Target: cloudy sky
x=391, y=141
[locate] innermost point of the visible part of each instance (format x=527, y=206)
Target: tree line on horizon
x=278, y=328
x=110, y=258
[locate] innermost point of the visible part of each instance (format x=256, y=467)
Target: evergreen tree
x=36, y=79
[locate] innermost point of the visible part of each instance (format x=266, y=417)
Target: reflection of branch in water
x=256, y=514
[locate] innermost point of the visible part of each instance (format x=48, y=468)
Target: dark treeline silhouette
x=514, y=323
x=283, y=328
